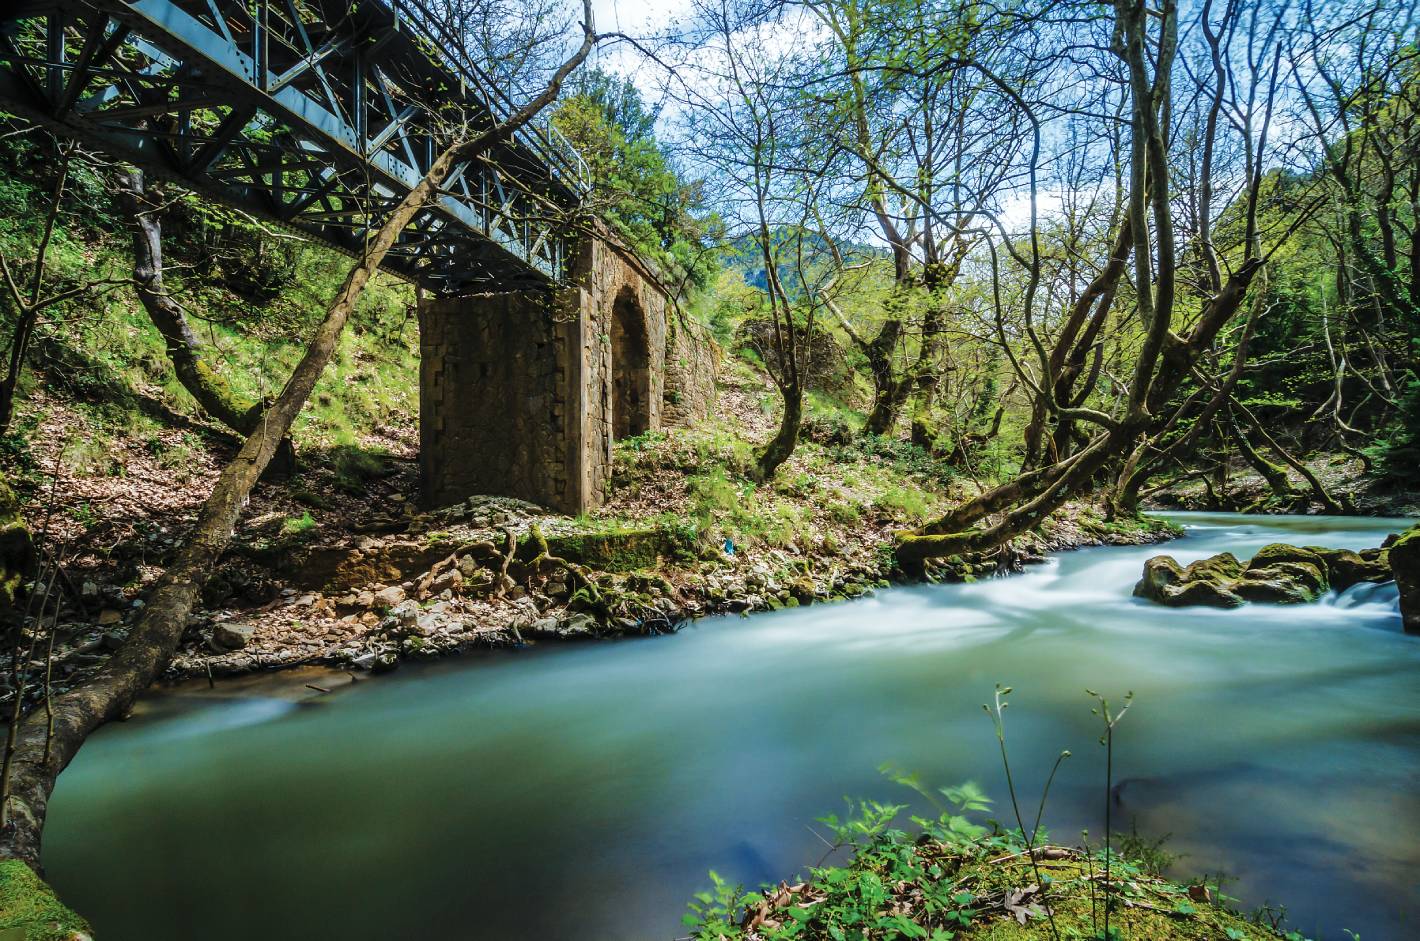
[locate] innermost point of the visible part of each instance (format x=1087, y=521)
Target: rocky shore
x=494, y=572
x=448, y=582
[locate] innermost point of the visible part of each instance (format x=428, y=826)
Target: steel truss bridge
x=317, y=114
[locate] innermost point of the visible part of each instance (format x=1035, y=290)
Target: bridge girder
x=316, y=114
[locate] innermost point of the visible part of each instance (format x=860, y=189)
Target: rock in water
x=1160, y=572
x=1202, y=591
x=1222, y=567
x=1405, y=564
x=1283, y=574
x=1345, y=568
x=1275, y=552
x=1276, y=574
x=1207, y=582
x=1282, y=583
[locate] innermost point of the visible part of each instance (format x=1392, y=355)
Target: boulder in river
x=1278, y=573
x=1205, y=582
x=1405, y=565
x=1345, y=568
x=1282, y=583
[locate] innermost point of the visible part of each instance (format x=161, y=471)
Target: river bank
x=439, y=594
x=339, y=566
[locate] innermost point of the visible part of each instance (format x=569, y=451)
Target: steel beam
x=310, y=116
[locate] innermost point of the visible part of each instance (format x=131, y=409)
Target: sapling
x=1110, y=720
x=999, y=723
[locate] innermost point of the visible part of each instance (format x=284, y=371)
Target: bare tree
x=748, y=127
x=193, y=367
x=1169, y=344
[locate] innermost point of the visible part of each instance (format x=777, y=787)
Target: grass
x=30, y=911
x=105, y=355
x=836, y=480
x=296, y=526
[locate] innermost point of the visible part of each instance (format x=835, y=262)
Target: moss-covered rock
x=619, y=550
x=30, y=910
x=1345, y=568
x=1205, y=582
x=17, y=552
x=1277, y=573
x=1282, y=583
x=974, y=891
x=1160, y=572
x=1223, y=567
x=1404, y=558
x=1275, y=552
x=1202, y=591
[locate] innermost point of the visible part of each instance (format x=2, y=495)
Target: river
x=582, y=792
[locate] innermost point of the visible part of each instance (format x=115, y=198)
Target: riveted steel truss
x=317, y=114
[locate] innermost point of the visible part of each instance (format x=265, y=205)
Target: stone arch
x=630, y=367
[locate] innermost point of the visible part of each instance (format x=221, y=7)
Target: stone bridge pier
x=522, y=394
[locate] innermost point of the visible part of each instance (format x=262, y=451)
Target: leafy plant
x=298, y=525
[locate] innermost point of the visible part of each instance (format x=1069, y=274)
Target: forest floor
x=336, y=565
x=1342, y=475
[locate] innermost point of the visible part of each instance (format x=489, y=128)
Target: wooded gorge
x=781, y=302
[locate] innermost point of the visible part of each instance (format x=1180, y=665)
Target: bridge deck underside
x=318, y=115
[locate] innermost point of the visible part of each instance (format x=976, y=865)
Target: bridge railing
x=539, y=135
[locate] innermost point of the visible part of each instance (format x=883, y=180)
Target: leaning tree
x=48, y=739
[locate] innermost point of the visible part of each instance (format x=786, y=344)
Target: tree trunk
x=184, y=349
x=889, y=390
x=1274, y=474
x=924, y=433
x=777, y=451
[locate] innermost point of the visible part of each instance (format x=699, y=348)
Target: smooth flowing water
x=582, y=792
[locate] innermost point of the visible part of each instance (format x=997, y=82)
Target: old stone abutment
x=522, y=394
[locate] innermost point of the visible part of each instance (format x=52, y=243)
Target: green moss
x=30, y=911
x=1408, y=540
x=294, y=526
x=1170, y=915
x=16, y=547
x=619, y=549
